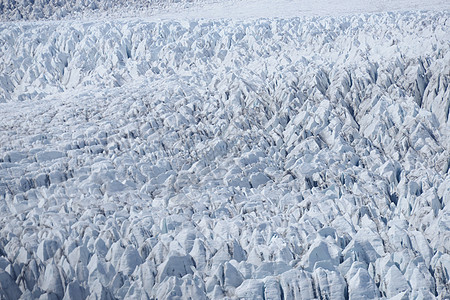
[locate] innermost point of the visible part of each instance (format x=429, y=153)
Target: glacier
x=241, y=158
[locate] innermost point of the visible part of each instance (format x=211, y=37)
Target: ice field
x=237, y=150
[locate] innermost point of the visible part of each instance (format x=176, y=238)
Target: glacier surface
x=268, y=158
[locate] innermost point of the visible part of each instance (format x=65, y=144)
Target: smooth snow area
x=274, y=158
x=207, y=9
x=237, y=9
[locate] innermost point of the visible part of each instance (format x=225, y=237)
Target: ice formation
x=272, y=158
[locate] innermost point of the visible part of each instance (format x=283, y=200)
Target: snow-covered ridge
x=296, y=158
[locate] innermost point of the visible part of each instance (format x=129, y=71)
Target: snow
x=205, y=9
x=206, y=149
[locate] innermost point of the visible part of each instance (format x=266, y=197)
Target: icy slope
x=268, y=159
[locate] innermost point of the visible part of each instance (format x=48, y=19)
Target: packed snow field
x=291, y=158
